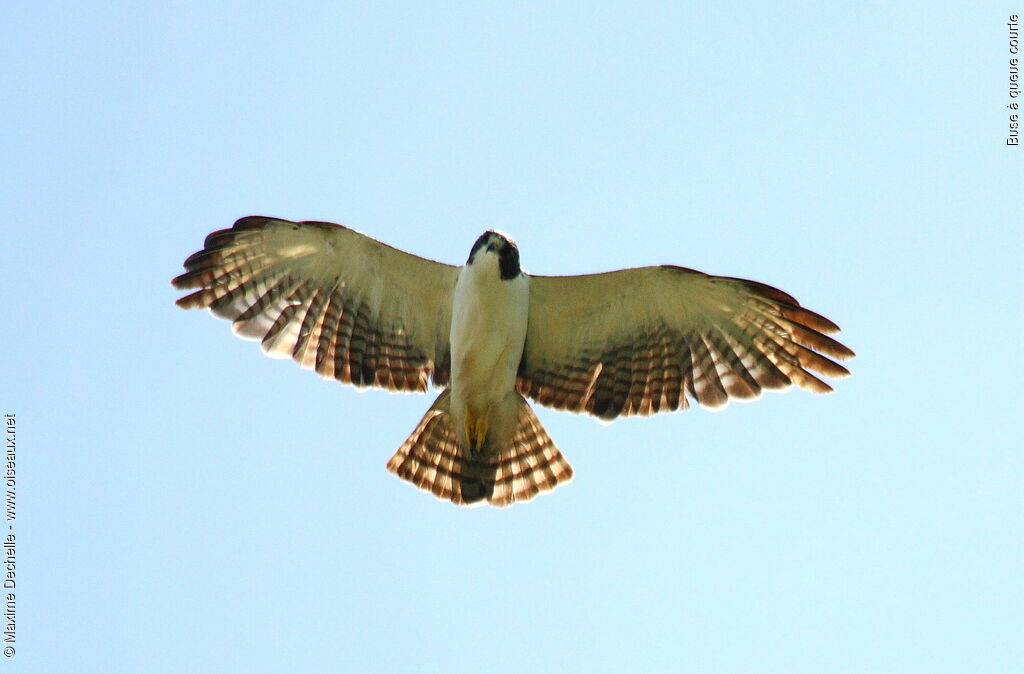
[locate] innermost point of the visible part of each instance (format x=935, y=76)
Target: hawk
x=628, y=342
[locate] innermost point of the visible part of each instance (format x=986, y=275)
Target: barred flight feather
x=308, y=291
x=646, y=340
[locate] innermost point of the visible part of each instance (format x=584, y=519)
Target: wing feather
x=645, y=340
x=330, y=298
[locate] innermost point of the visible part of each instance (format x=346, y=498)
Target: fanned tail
x=431, y=459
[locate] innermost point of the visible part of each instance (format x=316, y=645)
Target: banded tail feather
x=432, y=459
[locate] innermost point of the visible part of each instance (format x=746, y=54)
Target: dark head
x=504, y=247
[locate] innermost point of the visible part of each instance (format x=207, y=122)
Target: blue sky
x=185, y=504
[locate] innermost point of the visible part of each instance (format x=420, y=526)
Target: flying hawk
x=634, y=341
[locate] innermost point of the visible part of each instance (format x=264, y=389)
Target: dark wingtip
x=181, y=281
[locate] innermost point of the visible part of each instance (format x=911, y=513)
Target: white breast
x=488, y=332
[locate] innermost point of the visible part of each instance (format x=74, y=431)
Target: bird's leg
x=481, y=431
x=476, y=431
x=470, y=431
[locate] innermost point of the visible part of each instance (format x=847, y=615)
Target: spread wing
x=640, y=341
x=334, y=300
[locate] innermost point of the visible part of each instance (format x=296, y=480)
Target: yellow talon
x=481, y=432
x=476, y=431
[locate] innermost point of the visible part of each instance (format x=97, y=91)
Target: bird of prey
x=628, y=342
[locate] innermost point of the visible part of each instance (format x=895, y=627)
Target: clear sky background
x=186, y=504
